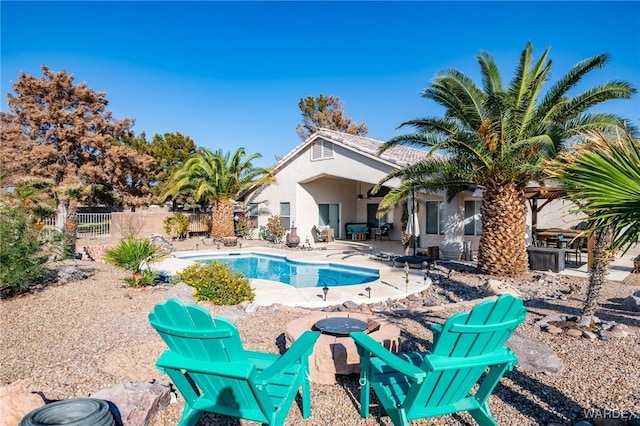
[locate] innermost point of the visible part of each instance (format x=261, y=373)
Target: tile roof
x=400, y=155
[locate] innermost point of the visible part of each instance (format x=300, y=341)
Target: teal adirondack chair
x=212, y=371
x=428, y=384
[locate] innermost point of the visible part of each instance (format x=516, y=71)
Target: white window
x=321, y=150
x=472, y=218
x=252, y=212
x=435, y=217
x=285, y=215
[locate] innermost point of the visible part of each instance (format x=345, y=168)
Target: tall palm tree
x=217, y=178
x=496, y=137
x=602, y=176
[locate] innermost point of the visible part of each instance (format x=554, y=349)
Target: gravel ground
x=73, y=339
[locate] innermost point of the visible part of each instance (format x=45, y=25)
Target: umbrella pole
x=413, y=222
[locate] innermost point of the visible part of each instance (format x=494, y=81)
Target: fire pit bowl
x=334, y=352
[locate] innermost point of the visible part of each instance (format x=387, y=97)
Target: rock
x=589, y=334
x=495, y=288
x=158, y=240
x=631, y=303
x=574, y=332
x=250, y=308
x=553, y=329
x=16, y=400
x=619, y=330
x=137, y=403
x=182, y=292
x=350, y=304
x=70, y=273
x=430, y=301
x=534, y=356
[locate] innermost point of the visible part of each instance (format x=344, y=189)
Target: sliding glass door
x=329, y=215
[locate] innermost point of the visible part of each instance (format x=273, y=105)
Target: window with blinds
x=321, y=150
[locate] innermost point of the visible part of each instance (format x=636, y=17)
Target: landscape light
x=325, y=290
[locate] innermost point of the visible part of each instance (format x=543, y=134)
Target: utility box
x=546, y=259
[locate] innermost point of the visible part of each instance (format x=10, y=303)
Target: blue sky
x=230, y=74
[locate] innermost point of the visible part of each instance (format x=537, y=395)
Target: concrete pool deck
x=391, y=284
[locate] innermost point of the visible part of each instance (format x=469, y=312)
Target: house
x=326, y=181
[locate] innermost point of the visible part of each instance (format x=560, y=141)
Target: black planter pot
x=71, y=412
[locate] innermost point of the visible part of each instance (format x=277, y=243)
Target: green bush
x=131, y=254
x=217, y=283
x=21, y=259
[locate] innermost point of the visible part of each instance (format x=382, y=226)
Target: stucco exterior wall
x=305, y=183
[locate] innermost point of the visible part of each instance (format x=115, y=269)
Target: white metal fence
x=90, y=225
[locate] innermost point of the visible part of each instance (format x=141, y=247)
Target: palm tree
x=217, y=178
x=496, y=137
x=602, y=176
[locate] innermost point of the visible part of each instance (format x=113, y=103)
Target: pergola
x=549, y=193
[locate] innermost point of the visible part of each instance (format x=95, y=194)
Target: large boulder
x=534, y=356
x=16, y=400
x=632, y=303
x=137, y=404
x=182, y=292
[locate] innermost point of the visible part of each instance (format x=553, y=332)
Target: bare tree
x=328, y=112
x=62, y=131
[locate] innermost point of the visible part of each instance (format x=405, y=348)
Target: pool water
x=299, y=274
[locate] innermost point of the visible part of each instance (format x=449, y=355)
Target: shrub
x=131, y=254
x=177, y=226
x=217, y=283
x=275, y=230
x=21, y=259
x=244, y=226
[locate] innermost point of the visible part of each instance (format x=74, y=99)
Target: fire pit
x=339, y=326
x=334, y=352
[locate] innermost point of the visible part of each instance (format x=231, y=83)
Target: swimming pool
x=296, y=273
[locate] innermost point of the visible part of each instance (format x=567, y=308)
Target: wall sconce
x=325, y=290
x=368, y=290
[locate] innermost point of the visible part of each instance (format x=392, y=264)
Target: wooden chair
x=421, y=384
x=212, y=371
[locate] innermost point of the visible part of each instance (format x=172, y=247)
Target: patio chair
x=319, y=236
x=575, y=251
x=427, y=384
x=212, y=371
x=383, y=232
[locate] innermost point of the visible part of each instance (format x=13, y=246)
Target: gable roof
x=397, y=155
